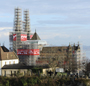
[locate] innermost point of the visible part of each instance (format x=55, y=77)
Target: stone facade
x=68, y=56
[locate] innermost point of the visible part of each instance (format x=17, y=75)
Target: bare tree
x=86, y=66
x=55, y=61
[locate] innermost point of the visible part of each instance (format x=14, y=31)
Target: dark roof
x=6, y=55
x=4, y=49
x=35, y=37
x=21, y=66
x=17, y=66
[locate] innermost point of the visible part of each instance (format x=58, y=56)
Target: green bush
x=61, y=74
x=33, y=80
x=36, y=70
x=37, y=81
x=1, y=85
x=7, y=83
x=24, y=82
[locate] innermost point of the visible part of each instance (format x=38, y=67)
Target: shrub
x=7, y=83
x=36, y=70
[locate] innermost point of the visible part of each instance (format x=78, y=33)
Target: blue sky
x=56, y=21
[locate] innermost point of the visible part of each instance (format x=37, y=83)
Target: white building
x=7, y=57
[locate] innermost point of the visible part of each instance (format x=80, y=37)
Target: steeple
x=35, y=36
x=17, y=20
x=27, y=24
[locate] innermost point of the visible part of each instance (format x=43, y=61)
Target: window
x=10, y=62
x=24, y=73
x=4, y=73
x=59, y=49
x=14, y=73
x=13, y=62
x=11, y=73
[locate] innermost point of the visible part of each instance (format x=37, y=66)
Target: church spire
x=35, y=36
x=27, y=24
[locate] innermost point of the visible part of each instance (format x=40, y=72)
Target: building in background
x=33, y=51
x=7, y=58
x=24, y=43
x=68, y=56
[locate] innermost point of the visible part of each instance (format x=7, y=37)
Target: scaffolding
x=19, y=32
x=27, y=24
x=17, y=20
x=29, y=59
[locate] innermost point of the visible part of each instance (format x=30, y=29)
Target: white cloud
x=53, y=35
x=5, y=28
x=6, y=34
x=4, y=38
x=62, y=35
x=46, y=36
